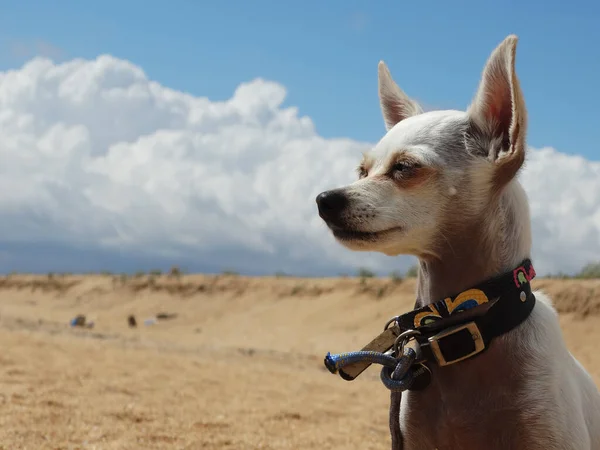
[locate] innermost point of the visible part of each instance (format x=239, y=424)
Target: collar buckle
x=448, y=346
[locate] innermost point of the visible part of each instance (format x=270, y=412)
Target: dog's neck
x=496, y=242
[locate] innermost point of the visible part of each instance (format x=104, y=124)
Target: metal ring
x=389, y=322
x=404, y=338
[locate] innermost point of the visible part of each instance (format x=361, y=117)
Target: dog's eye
x=400, y=167
x=403, y=169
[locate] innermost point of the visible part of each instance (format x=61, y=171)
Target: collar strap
x=446, y=339
x=432, y=317
x=445, y=336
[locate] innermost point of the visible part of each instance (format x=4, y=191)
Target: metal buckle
x=475, y=334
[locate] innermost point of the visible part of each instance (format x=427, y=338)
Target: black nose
x=331, y=204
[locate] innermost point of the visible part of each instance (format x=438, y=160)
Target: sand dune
x=238, y=367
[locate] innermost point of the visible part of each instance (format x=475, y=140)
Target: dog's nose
x=331, y=204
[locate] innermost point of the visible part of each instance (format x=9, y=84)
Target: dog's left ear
x=395, y=104
x=498, y=111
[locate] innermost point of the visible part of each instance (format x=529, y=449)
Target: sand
x=239, y=367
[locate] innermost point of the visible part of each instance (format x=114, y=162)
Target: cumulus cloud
x=100, y=162
x=564, y=197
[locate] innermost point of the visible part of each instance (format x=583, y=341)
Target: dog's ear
x=395, y=104
x=499, y=114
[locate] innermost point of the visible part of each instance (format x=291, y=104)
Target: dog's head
x=432, y=170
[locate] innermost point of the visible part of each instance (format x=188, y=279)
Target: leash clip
x=402, y=340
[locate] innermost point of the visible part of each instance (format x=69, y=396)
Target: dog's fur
x=443, y=186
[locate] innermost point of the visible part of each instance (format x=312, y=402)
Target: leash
x=398, y=373
x=439, y=334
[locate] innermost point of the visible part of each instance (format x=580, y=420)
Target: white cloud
x=96, y=155
x=564, y=196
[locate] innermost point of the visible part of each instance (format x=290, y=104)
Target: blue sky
x=326, y=53
x=143, y=201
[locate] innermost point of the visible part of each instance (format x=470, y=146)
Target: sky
x=136, y=135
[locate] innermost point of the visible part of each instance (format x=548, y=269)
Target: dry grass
x=240, y=367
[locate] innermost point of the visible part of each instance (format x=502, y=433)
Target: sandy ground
x=240, y=367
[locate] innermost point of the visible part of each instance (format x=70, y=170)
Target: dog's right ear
x=395, y=104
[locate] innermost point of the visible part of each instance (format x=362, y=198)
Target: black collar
x=446, y=336
x=446, y=339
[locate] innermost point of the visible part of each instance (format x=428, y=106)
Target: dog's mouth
x=345, y=234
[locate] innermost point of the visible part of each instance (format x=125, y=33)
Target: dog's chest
x=472, y=407
x=462, y=425
x=449, y=426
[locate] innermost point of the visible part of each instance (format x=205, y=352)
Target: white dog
x=442, y=186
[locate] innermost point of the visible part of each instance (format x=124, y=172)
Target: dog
x=442, y=186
